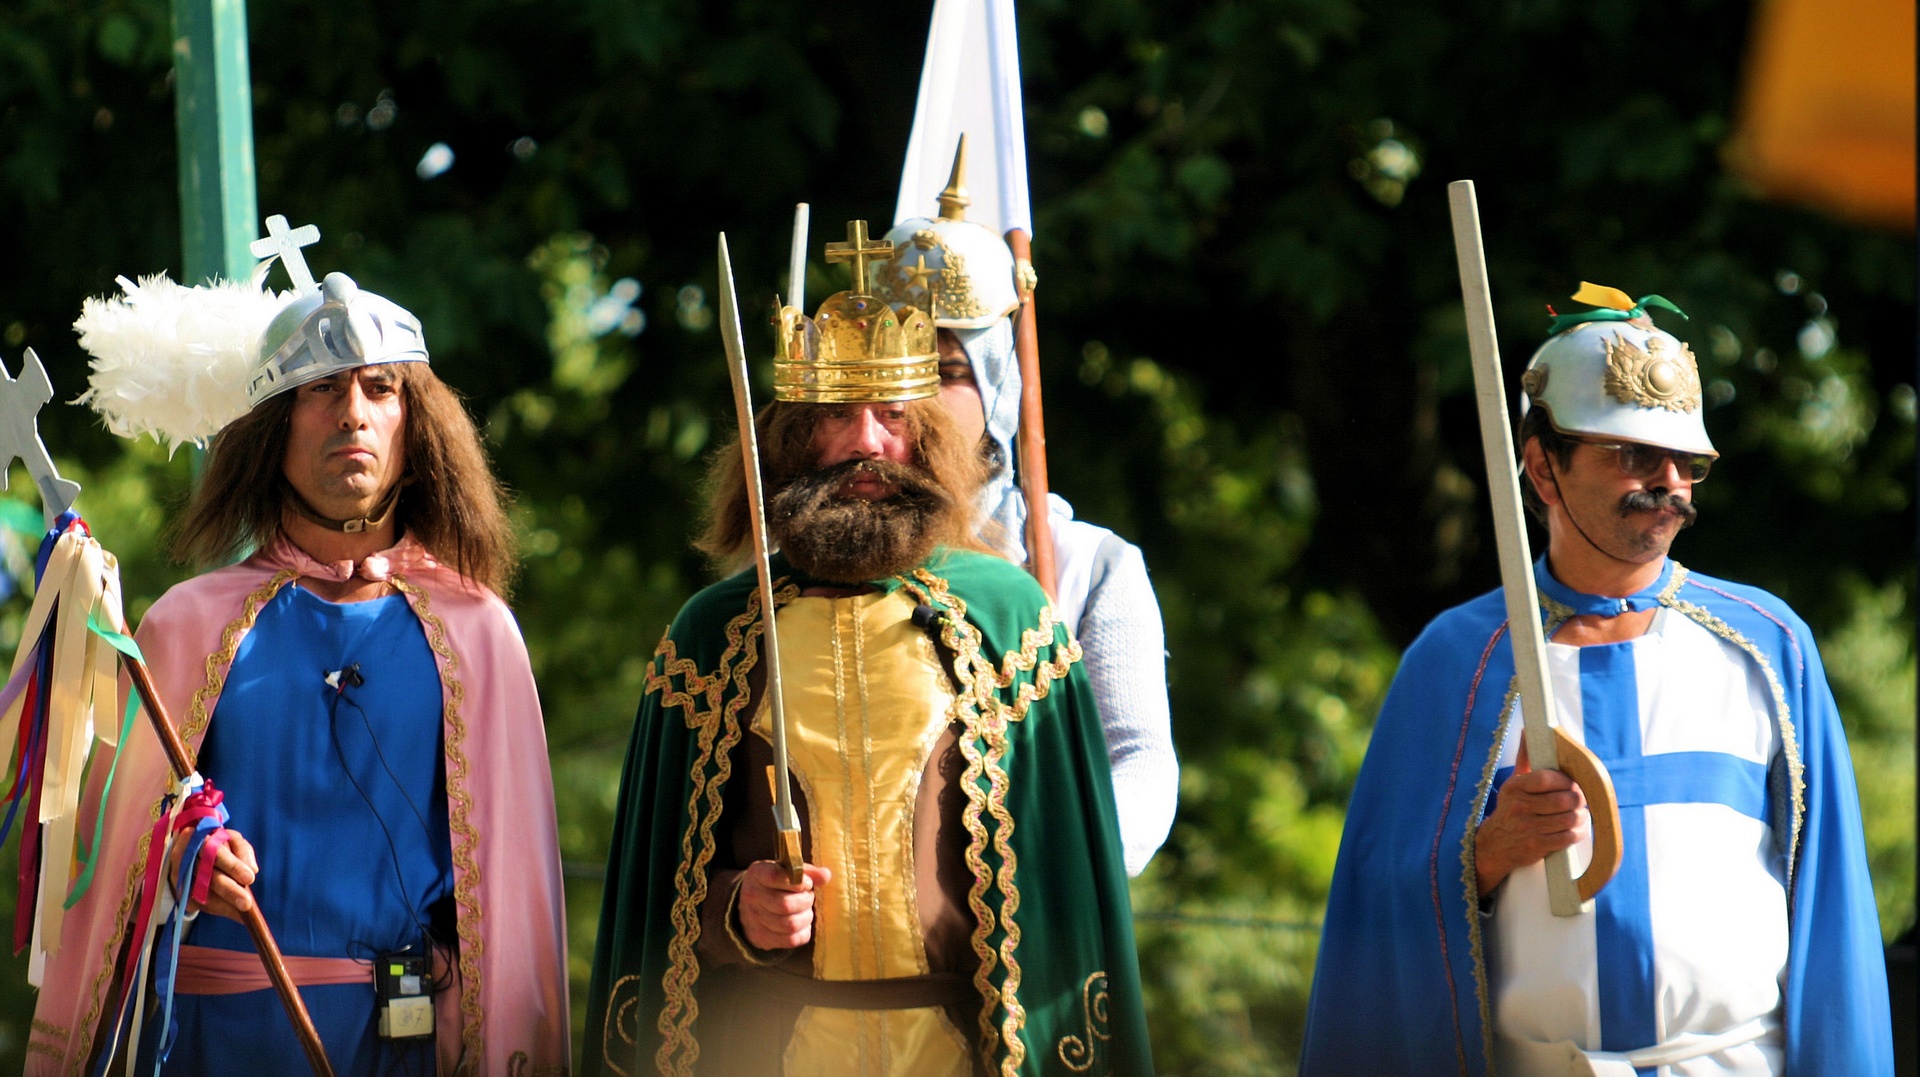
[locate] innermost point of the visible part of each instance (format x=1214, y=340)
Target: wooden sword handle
x=1603, y=809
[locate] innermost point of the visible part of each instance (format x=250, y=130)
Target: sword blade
x=785, y=820
x=1509, y=522
x=797, y=261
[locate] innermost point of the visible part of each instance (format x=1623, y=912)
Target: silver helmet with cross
x=328, y=326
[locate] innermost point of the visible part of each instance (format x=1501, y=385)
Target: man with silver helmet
x=1739, y=934
x=358, y=691
x=965, y=274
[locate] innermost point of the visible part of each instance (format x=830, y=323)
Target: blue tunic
x=1402, y=985
x=342, y=794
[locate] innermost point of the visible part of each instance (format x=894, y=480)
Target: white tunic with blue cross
x=1685, y=948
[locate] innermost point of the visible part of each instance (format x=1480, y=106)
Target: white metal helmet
x=332, y=328
x=1611, y=373
x=957, y=269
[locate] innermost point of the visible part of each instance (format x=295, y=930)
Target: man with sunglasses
x=1740, y=933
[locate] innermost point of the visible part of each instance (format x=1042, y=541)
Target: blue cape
x=1401, y=983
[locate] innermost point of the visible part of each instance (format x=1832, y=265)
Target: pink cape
x=508, y=1006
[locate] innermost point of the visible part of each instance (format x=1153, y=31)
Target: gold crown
x=858, y=349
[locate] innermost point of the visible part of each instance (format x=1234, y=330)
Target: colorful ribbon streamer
x=1609, y=301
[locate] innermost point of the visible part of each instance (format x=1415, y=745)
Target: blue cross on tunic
x=1623, y=929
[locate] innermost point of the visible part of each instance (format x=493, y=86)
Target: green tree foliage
x=1256, y=361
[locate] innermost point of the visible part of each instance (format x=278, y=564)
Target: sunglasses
x=1646, y=461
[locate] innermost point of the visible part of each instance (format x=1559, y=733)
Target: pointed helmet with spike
x=1610, y=373
x=957, y=268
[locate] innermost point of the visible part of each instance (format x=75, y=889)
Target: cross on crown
x=858, y=250
x=286, y=243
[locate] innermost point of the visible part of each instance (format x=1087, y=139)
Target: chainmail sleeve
x=1124, y=642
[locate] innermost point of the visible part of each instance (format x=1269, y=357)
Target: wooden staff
x=182, y=764
x=1546, y=743
x=1033, y=426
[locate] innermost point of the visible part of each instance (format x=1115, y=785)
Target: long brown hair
x=785, y=434
x=454, y=506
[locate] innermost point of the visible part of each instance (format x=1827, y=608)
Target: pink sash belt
x=206, y=970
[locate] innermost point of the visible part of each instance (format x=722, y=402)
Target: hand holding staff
x=1546, y=743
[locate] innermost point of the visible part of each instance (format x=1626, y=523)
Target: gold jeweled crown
x=858, y=349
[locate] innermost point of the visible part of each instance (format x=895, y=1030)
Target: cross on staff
x=285, y=242
x=859, y=251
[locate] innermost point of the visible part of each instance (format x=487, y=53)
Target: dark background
x=1255, y=359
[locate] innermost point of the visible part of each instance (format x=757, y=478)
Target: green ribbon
x=1564, y=322
x=126, y=646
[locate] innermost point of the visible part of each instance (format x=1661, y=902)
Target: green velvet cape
x=1058, y=975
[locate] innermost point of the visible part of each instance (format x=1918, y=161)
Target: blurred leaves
x=1250, y=323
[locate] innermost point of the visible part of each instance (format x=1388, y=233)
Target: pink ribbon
x=202, y=804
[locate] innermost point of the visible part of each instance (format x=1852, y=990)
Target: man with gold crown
x=965, y=275
x=1739, y=933
x=355, y=688
x=962, y=907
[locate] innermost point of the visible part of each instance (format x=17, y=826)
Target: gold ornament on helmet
x=859, y=348
x=1657, y=376
x=958, y=269
x=1611, y=373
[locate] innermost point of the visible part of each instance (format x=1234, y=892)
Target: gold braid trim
x=466, y=840
x=975, y=696
x=1470, y=875
x=1077, y=1052
x=621, y=1022
x=1783, y=716
x=197, y=718
x=201, y=712
x=1557, y=615
x=520, y=1064
x=985, y=679
x=59, y=1032
x=679, y=1049
x=1003, y=845
x=1672, y=589
x=1027, y=660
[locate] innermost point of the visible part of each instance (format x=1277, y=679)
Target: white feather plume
x=172, y=361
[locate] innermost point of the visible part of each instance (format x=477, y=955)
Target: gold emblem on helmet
x=1654, y=377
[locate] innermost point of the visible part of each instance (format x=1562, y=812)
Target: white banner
x=970, y=84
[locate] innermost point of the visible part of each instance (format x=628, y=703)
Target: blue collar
x=1598, y=605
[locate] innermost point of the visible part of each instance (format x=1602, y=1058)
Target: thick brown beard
x=852, y=540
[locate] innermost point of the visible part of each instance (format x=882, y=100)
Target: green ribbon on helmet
x=1563, y=322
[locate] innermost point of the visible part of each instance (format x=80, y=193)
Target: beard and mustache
x=845, y=539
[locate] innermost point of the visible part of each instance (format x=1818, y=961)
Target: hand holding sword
x=792, y=871
x=1547, y=746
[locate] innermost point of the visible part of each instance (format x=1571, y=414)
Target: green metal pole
x=213, y=94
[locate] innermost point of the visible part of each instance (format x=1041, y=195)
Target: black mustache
x=1651, y=500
